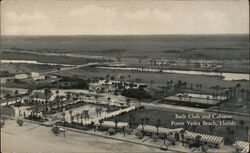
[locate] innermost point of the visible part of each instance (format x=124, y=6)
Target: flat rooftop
x=196, y=98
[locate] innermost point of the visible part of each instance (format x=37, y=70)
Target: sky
x=124, y=17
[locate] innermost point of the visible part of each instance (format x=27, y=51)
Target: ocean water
x=156, y=46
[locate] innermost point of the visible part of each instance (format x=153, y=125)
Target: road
x=71, y=68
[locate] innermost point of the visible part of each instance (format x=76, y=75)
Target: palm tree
x=139, y=98
x=100, y=122
x=57, y=99
x=100, y=111
x=68, y=96
x=47, y=93
x=238, y=86
x=171, y=83
x=16, y=95
x=128, y=102
x=82, y=115
x=142, y=124
x=133, y=120
x=158, y=124
x=151, y=83
x=107, y=77
x=182, y=135
x=200, y=87
x=179, y=84
x=109, y=100
x=211, y=129
x=130, y=119
x=242, y=123
x=112, y=78
x=29, y=92
x=97, y=111
x=56, y=130
x=189, y=98
x=129, y=77
x=61, y=102
x=167, y=83
x=70, y=114
x=78, y=117
x=191, y=86
x=155, y=136
x=76, y=98
x=228, y=130
x=232, y=134
x=185, y=85
x=242, y=91
x=164, y=135
x=207, y=99
x=180, y=97
x=7, y=99
x=116, y=122
x=198, y=138
x=63, y=115
x=227, y=94
x=121, y=78
x=96, y=97
x=194, y=128
x=217, y=87
x=197, y=87
x=86, y=114
x=147, y=120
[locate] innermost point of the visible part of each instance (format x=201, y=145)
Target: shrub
x=135, y=93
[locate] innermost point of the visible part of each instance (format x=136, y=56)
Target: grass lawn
x=46, y=59
x=159, y=79
x=25, y=68
x=235, y=105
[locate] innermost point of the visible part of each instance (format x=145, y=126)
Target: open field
x=18, y=139
x=159, y=79
x=153, y=46
x=46, y=59
x=25, y=68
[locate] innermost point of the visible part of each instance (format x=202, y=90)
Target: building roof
x=187, y=134
x=111, y=124
x=40, y=95
x=153, y=129
x=204, y=137
x=242, y=145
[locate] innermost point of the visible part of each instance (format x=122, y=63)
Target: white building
x=241, y=146
x=21, y=76
x=163, y=62
x=111, y=124
x=37, y=76
x=4, y=80
x=108, y=85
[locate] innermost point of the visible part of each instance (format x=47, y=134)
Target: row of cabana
x=242, y=146
x=179, y=134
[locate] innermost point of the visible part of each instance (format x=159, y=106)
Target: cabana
x=241, y=146
x=150, y=130
x=176, y=134
x=210, y=140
